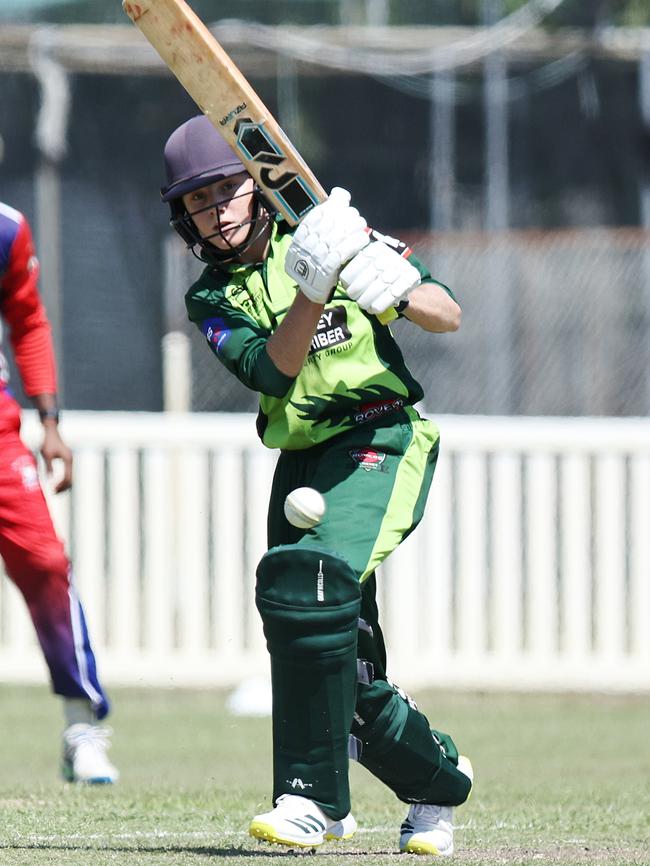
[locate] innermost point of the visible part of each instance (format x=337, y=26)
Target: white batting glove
x=378, y=278
x=328, y=237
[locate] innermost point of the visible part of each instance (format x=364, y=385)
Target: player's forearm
x=47, y=408
x=432, y=309
x=289, y=345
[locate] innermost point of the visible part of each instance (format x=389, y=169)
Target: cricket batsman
x=33, y=555
x=293, y=315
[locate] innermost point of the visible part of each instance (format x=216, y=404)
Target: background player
x=337, y=399
x=33, y=555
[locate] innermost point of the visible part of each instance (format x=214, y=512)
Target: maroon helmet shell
x=196, y=155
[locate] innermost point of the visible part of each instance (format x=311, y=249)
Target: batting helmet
x=196, y=156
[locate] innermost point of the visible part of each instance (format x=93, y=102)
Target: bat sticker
x=257, y=146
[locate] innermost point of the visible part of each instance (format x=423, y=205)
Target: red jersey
x=21, y=307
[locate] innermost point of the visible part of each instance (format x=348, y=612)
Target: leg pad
x=399, y=747
x=309, y=601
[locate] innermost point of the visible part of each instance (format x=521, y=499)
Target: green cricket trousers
x=331, y=695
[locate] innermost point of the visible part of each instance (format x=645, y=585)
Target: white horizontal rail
x=530, y=570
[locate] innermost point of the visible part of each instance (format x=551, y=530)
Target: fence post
x=51, y=139
x=177, y=372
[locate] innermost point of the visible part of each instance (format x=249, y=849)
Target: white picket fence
x=531, y=569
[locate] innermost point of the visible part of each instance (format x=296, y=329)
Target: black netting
x=552, y=323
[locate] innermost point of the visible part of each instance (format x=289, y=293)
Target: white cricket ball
x=304, y=507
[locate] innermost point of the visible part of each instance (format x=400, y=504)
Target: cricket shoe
x=428, y=829
x=299, y=823
x=84, y=755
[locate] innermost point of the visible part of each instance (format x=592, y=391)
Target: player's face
x=222, y=210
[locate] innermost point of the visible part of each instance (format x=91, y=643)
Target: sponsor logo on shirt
x=332, y=330
x=216, y=333
x=371, y=411
x=24, y=466
x=369, y=459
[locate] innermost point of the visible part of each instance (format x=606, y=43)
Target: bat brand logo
x=228, y=117
x=258, y=146
x=298, y=783
x=274, y=159
x=320, y=582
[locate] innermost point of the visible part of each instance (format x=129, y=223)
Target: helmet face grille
x=201, y=246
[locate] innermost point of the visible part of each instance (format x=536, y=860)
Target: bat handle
x=387, y=316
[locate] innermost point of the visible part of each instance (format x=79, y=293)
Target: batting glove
x=378, y=278
x=328, y=237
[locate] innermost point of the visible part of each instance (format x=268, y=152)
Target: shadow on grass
x=201, y=851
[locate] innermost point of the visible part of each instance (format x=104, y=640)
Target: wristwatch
x=53, y=413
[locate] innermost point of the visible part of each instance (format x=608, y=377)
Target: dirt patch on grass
x=563, y=855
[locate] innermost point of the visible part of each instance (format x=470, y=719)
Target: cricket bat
x=224, y=95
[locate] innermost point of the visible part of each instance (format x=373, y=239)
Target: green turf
x=559, y=780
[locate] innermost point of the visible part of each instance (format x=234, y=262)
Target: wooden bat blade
x=223, y=94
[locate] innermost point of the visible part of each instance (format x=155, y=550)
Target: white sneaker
x=84, y=755
x=428, y=829
x=299, y=823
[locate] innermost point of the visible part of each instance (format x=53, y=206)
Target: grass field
x=559, y=780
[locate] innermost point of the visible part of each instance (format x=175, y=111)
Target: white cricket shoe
x=84, y=755
x=428, y=829
x=299, y=823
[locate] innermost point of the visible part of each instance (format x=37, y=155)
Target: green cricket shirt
x=354, y=372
